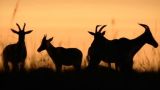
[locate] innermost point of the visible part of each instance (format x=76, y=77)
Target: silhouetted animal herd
x=119, y=51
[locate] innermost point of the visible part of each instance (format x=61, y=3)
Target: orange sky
x=69, y=20
x=73, y=13
x=62, y=17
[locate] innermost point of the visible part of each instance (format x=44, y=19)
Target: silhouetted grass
x=41, y=75
x=99, y=78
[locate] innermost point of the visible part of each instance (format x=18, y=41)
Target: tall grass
x=147, y=59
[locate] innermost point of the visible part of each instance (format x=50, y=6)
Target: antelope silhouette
x=99, y=49
x=16, y=53
x=61, y=56
x=120, y=51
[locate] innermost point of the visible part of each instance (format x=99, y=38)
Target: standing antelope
x=99, y=49
x=121, y=51
x=61, y=56
x=16, y=53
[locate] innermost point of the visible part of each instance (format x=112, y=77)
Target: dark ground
x=100, y=78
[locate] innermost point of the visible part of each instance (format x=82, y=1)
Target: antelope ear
x=14, y=31
x=50, y=39
x=103, y=33
x=27, y=32
x=91, y=33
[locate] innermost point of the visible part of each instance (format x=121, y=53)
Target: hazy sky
x=72, y=13
x=79, y=16
x=68, y=20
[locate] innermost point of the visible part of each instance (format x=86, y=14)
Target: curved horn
x=144, y=25
x=18, y=26
x=24, y=26
x=102, y=28
x=97, y=28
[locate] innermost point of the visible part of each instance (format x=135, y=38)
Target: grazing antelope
x=121, y=51
x=61, y=56
x=16, y=53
